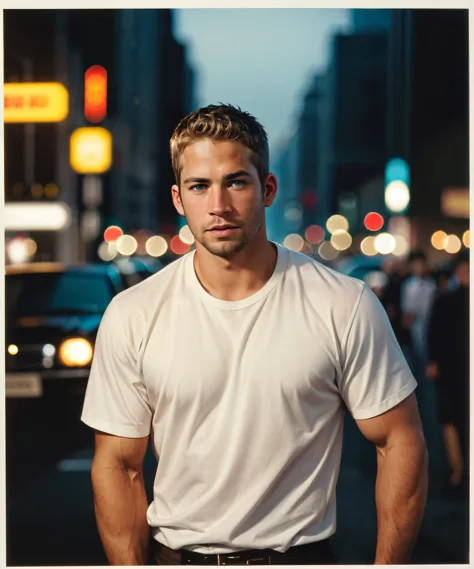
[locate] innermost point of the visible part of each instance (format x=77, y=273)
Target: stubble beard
x=226, y=247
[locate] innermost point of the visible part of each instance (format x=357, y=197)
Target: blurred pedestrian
x=417, y=296
x=448, y=366
x=239, y=360
x=442, y=278
x=397, y=272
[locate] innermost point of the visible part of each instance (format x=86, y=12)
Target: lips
x=222, y=227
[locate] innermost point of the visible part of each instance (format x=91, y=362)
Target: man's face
x=221, y=196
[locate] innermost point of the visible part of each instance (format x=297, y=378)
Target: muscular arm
x=120, y=499
x=402, y=479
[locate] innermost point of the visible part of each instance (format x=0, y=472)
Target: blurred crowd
x=429, y=312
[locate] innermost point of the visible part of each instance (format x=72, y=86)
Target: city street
x=50, y=517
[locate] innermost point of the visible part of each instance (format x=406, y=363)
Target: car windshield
x=57, y=293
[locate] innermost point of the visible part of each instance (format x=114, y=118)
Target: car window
x=57, y=293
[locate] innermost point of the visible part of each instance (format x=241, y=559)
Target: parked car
x=53, y=313
x=134, y=270
x=360, y=266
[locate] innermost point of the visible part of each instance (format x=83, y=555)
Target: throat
x=234, y=282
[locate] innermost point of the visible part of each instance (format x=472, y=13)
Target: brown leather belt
x=316, y=553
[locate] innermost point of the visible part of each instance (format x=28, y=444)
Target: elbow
x=108, y=467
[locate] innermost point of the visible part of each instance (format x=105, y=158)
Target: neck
x=240, y=276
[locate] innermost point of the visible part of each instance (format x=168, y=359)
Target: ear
x=176, y=196
x=271, y=188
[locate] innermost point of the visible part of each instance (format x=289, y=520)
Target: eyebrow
x=227, y=177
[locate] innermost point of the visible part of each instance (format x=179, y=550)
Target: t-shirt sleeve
x=375, y=375
x=116, y=400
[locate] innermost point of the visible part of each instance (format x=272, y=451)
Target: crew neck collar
x=280, y=267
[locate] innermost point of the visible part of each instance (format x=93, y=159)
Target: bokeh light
x=337, y=222
x=12, y=349
x=367, y=246
x=51, y=190
x=107, y=251
x=327, y=252
x=385, y=243
x=156, y=246
x=373, y=221
x=293, y=212
x=466, y=238
x=437, y=240
x=37, y=190
x=126, y=245
x=112, y=233
x=401, y=246
x=17, y=250
x=31, y=247
x=314, y=234
x=185, y=235
x=341, y=240
x=397, y=196
x=179, y=247
x=452, y=244
x=294, y=242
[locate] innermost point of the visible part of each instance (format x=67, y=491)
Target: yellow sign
x=35, y=102
x=91, y=150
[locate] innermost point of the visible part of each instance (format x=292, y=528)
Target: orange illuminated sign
x=95, y=94
x=35, y=102
x=455, y=202
x=91, y=150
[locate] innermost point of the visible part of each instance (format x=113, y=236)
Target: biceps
x=113, y=451
x=401, y=423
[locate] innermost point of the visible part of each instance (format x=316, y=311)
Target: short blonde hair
x=222, y=122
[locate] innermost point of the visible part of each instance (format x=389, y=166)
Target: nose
x=219, y=201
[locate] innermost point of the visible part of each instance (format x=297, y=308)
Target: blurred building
x=154, y=91
x=365, y=20
x=438, y=120
x=353, y=131
x=30, y=150
x=150, y=87
x=396, y=86
x=309, y=129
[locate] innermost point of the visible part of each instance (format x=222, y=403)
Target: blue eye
x=239, y=183
x=198, y=187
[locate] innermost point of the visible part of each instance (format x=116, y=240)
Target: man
x=396, y=270
x=448, y=343
x=238, y=359
x=417, y=297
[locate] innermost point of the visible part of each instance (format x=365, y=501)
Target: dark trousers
x=317, y=553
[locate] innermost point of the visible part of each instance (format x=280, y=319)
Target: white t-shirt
x=244, y=400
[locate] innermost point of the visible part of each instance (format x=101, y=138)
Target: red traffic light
x=95, y=94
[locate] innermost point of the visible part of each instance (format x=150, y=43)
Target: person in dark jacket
x=448, y=345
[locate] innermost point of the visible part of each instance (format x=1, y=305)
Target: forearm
x=121, y=506
x=401, y=490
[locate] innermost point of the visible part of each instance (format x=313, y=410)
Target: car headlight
x=75, y=352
